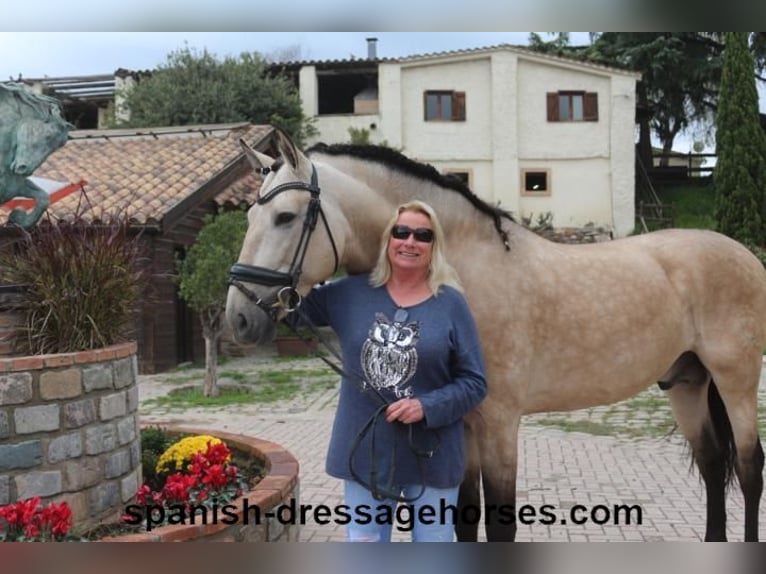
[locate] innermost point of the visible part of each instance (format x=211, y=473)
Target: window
x=572, y=106
x=443, y=106
x=462, y=176
x=535, y=182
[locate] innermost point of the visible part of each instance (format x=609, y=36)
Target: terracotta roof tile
x=146, y=172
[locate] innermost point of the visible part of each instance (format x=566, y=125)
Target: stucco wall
x=439, y=140
x=506, y=130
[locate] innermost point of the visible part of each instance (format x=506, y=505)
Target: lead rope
x=377, y=492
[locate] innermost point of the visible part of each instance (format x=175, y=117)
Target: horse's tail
x=723, y=437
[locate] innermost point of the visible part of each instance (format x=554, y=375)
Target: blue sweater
x=429, y=351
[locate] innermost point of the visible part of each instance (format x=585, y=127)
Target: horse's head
x=35, y=140
x=292, y=243
x=34, y=128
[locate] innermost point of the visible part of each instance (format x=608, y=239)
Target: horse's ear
x=257, y=159
x=288, y=149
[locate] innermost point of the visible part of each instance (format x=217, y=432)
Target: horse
x=562, y=327
x=31, y=128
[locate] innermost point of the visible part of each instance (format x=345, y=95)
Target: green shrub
x=154, y=441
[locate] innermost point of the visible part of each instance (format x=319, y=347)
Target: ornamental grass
x=81, y=283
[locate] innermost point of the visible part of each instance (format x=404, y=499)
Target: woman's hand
x=407, y=411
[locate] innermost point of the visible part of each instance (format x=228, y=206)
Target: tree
x=740, y=174
x=198, y=88
x=202, y=278
x=680, y=75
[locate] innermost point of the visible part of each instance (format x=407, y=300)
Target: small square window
x=535, y=182
x=463, y=176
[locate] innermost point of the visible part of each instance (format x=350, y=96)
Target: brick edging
x=278, y=484
x=36, y=362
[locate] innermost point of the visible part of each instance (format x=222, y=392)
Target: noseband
x=287, y=298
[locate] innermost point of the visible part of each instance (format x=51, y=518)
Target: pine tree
x=740, y=174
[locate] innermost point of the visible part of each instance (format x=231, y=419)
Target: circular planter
x=69, y=430
x=295, y=346
x=280, y=487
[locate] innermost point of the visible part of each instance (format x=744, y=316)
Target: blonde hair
x=440, y=272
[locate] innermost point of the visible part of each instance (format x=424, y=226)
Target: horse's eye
x=284, y=218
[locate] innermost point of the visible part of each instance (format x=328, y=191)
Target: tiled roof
x=146, y=172
x=521, y=50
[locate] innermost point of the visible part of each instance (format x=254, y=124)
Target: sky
x=52, y=54
x=56, y=53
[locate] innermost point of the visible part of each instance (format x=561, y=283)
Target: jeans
x=422, y=518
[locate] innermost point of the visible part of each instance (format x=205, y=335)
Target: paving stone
x=5, y=424
x=97, y=377
x=38, y=483
x=5, y=490
x=79, y=413
x=15, y=388
x=64, y=447
x=555, y=467
x=20, y=455
x=39, y=418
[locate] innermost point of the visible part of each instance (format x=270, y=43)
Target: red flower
x=177, y=487
x=31, y=531
x=217, y=453
x=24, y=520
x=58, y=517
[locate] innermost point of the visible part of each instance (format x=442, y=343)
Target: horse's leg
x=722, y=432
x=19, y=216
x=737, y=384
x=469, y=497
x=689, y=401
x=498, y=439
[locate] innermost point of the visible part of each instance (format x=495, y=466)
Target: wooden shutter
x=458, y=106
x=553, y=106
x=590, y=107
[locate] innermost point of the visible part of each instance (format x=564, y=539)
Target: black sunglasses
x=422, y=234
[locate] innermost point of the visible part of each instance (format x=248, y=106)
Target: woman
x=413, y=367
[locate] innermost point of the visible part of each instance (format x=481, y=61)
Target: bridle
x=287, y=297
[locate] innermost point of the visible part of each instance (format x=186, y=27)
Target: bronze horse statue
x=562, y=327
x=31, y=128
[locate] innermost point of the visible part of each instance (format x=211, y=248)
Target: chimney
x=372, y=52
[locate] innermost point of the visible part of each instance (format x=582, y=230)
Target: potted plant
x=298, y=341
x=79, y=284
x=71, y=380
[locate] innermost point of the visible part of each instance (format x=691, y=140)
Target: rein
x=369, y=427
x=289, y=300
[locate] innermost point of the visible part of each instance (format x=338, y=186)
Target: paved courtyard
x=559, y=464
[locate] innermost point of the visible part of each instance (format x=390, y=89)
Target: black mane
x=399, y=162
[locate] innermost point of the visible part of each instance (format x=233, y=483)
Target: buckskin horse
x=562, y=327
x=31, y=128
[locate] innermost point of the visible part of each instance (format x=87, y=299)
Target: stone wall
x=543, y=226
x=69, y=430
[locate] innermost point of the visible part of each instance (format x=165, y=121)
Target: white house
x=532, y=132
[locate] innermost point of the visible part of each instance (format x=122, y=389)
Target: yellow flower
x=181, y=452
